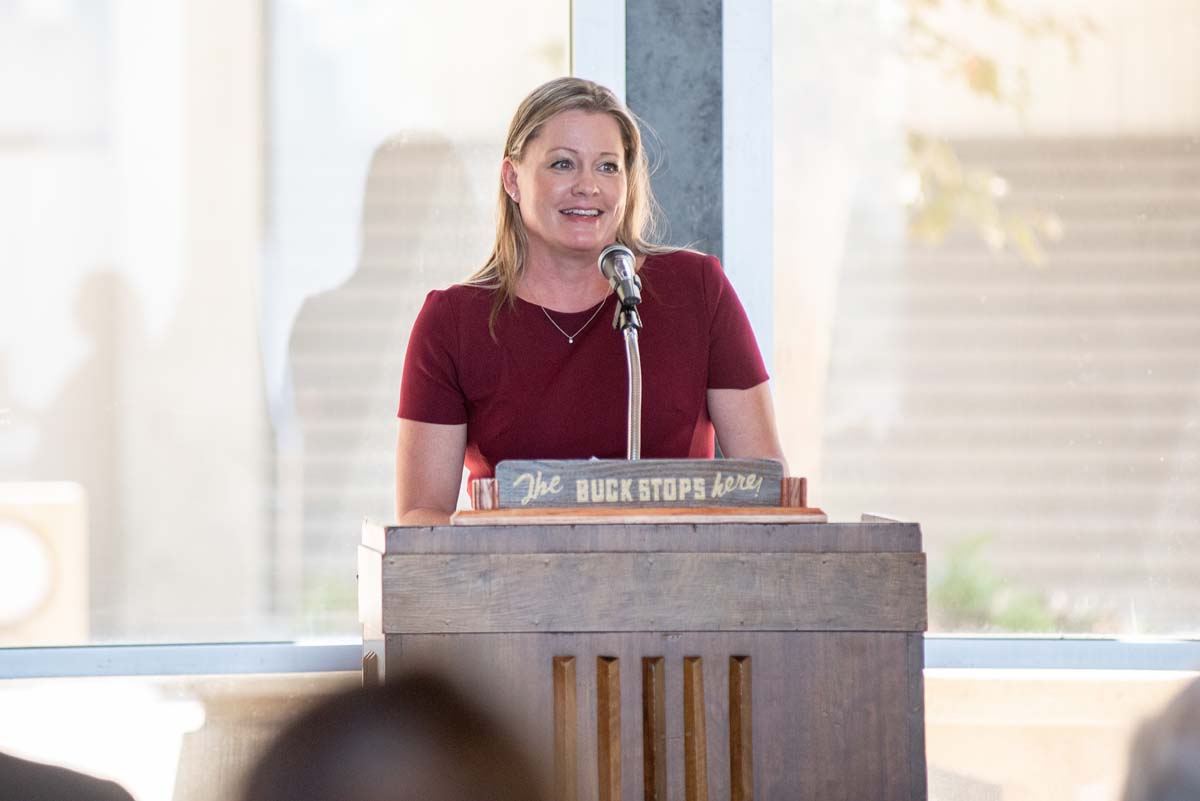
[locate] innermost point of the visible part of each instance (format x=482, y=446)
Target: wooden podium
x=717, y=660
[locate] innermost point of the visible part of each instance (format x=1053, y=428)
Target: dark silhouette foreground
x=414, y=739
x=22, y=780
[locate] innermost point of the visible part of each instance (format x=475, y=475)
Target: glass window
x=218, y=221
x=986, y=297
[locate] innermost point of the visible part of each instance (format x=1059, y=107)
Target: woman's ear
x=508, y=177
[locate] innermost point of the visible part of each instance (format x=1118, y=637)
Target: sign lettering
x=647, y=482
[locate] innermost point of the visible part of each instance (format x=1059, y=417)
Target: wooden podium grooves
x=566, y=731
x=608, y=726
x=741, y=737
x=370, y=667
x=695, y=740
x=654, y=728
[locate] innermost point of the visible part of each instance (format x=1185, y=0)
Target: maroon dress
x=530, y=394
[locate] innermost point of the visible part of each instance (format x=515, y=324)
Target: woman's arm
x=745, y=423
x=429, y=464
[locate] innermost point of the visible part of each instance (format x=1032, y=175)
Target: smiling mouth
x=581, y=212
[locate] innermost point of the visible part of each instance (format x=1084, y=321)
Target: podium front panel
x=818, y=626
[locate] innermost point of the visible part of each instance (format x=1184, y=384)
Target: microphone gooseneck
x=617, y=265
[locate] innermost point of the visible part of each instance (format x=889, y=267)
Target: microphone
x=617, y=265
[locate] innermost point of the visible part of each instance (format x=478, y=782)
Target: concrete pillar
x=673, y=81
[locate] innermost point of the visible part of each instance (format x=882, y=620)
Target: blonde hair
x=504, y=267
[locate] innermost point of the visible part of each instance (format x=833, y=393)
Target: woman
x=521, y=361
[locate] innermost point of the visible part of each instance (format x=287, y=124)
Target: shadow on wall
x=422, y=228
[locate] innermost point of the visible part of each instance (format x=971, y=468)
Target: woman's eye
x=561, y=164
x=610, y=166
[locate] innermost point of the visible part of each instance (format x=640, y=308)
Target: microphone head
x=618, y=267
x=616, y=261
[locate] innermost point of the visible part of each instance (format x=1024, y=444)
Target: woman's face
x=570, y=184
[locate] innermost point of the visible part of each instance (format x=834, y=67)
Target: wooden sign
x=598, y=483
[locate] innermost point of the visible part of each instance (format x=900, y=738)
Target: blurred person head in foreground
x=413, y=739
x=1164, y=762
x=22, y=780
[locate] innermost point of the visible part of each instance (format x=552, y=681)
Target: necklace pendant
x=571, y=337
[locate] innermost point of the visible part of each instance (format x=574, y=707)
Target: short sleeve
x=430, y=391
x=734, y=361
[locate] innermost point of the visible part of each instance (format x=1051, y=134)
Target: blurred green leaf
x=1026, y=612
x=1021, y=234
x=951, y=192
x=983, y=76
x=968, y=594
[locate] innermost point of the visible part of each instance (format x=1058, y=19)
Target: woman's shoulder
x=465, y=293
x=690, y=268
x=683, y=259
x=460, y=299
x=451, y=312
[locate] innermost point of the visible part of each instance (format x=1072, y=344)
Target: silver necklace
x=571, y=337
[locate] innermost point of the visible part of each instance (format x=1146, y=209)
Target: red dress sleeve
x=734, y=361
x=430, y=391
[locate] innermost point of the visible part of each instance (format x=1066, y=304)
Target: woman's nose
x=586, y=184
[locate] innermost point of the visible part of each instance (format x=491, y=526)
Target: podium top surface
x=874, y=535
